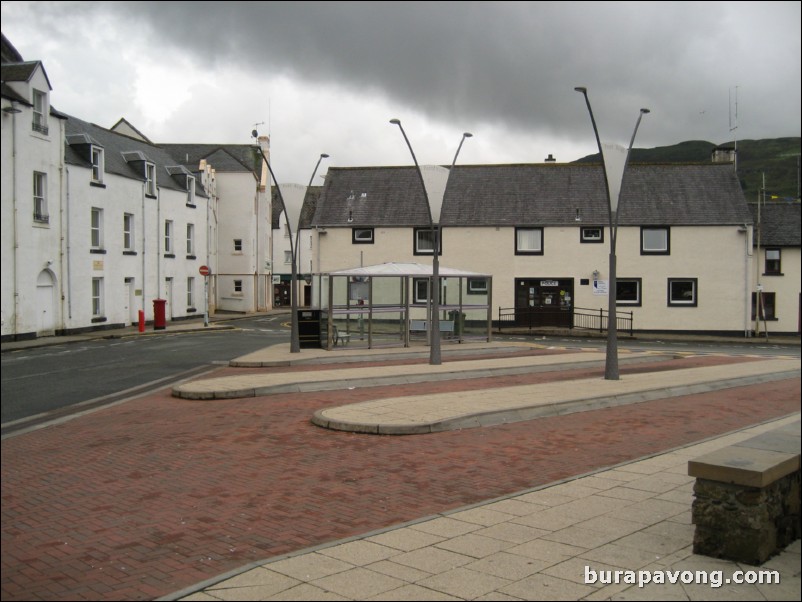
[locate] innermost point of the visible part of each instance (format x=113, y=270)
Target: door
x=544, y=302
x=130, y=302
x=168, y=295
x=46, y=304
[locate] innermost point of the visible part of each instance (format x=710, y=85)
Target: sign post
x=205, y=272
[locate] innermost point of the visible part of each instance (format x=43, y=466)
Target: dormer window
x=97, y=164
x=190, y=191
x=150, y=179
x=39, y=112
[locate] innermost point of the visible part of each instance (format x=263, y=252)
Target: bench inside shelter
x=446, y=327
x=747, y=498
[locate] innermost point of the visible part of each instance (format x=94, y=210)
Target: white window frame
x=686, y=301
x=238, y=288
x=98, y=164
x=190, y=239
x=423, y=243
x=638, y=301
x=97, y=298
x=238, y=245
x=772, y=257
x=168, y=237
x=478, y=286
x=129, y=232
x=96, y=228
x=190, y=191
x=40, y=214
x=288, y=257
x=648, y=247
x=40, y=109
x=150, y=179
x=523, y=246
x=190, y=292
x=362, y=236
x=588, y=234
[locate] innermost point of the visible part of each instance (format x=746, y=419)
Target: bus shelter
x=389, y=305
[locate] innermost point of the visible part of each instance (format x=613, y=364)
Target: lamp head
x=581, y=89
x=467, y=135
x=324, y=156
x=395, y=121
x=644, y=111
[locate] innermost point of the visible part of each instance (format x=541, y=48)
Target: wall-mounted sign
x=601, y=287
x=549, y=283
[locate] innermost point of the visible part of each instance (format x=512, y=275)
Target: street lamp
x=435, y=358
x=293, y=218
x=614, y=167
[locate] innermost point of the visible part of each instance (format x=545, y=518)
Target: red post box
x=159, y=314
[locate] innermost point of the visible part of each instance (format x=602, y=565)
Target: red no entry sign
x=204, y=270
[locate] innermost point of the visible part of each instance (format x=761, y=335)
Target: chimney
x=550, y=159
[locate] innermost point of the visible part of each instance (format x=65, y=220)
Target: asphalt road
x=38, y=383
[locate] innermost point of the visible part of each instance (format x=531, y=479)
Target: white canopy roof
x=405, y=269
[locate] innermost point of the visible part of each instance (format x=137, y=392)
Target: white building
x=33, y=184
x=684, y=240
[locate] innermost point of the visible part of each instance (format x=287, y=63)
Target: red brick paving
x=146, y=498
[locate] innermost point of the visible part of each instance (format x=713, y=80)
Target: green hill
x=777, y=158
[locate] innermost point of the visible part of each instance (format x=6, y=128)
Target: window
x=190, y=191
x=288, y=257
x=40, y=198
x=128, y=232
x=150, y=179
x=168, y=238
x=424, y=242
x=591, y=235
x=96, y=228
x=655, y=241
x=97, y=165
x=773, y=263
x=682, y=292
x=190, y=241
x=529, y=241
x=39, y=112
x=477, y=286
x=767, y=306
x=190, y=292
x=628, y=291
x=238, y=245
x=362, y=236
x=97, y=297
x=238, y=287
x=420, y=290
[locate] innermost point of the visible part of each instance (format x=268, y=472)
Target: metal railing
x=580, y=318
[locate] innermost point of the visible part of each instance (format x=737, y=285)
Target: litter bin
x=459, y=321
x=309, y=328
x=159, y=314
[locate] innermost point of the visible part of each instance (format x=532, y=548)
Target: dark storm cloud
x=516, y=64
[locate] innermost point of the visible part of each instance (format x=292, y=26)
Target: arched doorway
x=46, y=303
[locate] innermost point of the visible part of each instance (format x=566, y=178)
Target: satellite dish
x=255, y=134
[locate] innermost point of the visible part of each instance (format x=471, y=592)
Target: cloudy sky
x=327, y=76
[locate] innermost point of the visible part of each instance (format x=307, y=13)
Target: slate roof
x=779, y=224
x=81, y=133
x=307, y=211
x=222, y=157
x=534, y=194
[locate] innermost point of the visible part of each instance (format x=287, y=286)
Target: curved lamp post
x=435, y=358
x=293, y=219
x=614, y=167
